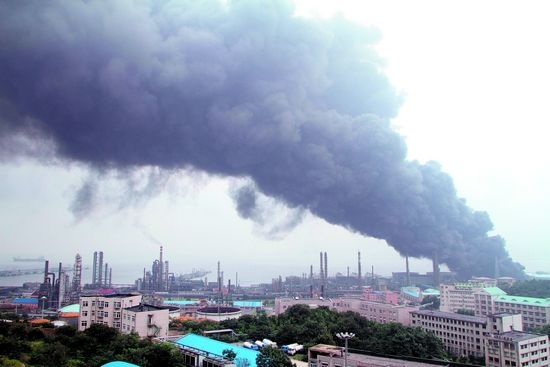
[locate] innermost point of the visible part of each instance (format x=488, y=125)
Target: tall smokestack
x=110, y=277
x=435, y=263
x=100, y=269
x=46, y=270
x=106, y=280
x=407, y=271
x=161, y=271
x=321, y=272
x=219, y=279
x=94, y=269
x=359, y=275
x=326, y=267
x=166, y=274
x=311, y=272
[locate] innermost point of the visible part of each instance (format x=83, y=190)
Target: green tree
x=431, y=303
x=530, y=288
x=273, y=357
x=229, y=354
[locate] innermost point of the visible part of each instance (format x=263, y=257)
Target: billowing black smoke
x=238, y=88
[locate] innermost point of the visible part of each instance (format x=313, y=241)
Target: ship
x=29, y=259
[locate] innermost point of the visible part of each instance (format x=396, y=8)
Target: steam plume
x=239, y=88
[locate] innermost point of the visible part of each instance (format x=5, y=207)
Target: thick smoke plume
x=238, y=88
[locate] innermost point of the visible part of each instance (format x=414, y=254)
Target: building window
x=84, y=313
x=84, y=323
x=84, y=303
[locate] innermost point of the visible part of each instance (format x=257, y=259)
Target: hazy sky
x=475, y=79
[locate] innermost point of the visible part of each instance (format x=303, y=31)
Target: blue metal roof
x=180, y=302
x=217, y=347
x=25, y=301
x=119, y=364
x=256, y=304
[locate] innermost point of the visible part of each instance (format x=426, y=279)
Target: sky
x=473, y=77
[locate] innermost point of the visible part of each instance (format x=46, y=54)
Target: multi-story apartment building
x=460, y=296
x=376, y=311
x=463, y=335
x=516, y=349
x=282, y=304
x=146, y=321
x=380, y=296
x=535, y=311
x=484, y=300
x=383, y=313
x=105, y=309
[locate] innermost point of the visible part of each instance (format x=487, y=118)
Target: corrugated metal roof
x=217, y=347
x=524, y=300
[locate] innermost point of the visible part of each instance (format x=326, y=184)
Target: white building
x=105, y=309
x=146, y=320
x=484, y=300
x=383, y=313
x=516, y=349
x=124, y=312
x=464, y=335
x=460, y=296
x=535, y=311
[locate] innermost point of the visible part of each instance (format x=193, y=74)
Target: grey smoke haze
x=244, y=89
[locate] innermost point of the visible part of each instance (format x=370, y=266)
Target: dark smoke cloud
x=239, y=88
x=273, y=220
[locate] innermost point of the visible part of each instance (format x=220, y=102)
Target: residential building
x=463, y=335
x=380, y=296
x=383, y=313
x=105, y=309
x=516, y=349
x=146, y=320
x=282, y=304
x=460, y=296
x=535, y=311
x=376, y=311
x=484, y=300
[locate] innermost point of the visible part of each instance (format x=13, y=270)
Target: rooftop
x=515, y=336
x=144, y=308
x=545, y=302
x=113, y=295
x=451, y=316
x=363, y=359
x=211, y=346
x=494, y=291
